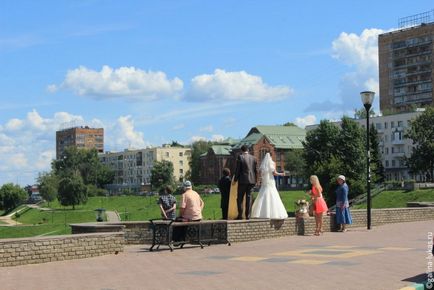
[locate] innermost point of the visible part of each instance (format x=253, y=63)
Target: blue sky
x=150, y=72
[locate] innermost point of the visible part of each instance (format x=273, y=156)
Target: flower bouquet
x=302, y=208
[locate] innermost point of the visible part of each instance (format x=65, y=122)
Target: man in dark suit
x=246, y=175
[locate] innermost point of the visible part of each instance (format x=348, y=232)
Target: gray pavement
x=387, y=257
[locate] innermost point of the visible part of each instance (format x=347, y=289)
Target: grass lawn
x=399, y=198
x=32, y=231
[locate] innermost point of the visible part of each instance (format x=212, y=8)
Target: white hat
x=341, y=177
x=187, y=184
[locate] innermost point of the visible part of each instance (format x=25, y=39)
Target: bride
x=268, y=203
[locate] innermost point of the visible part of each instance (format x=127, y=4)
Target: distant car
x=34, y=198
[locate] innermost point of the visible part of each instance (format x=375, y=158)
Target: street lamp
x=367, y=99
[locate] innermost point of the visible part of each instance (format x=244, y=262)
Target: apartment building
x=133, y=167
x=79, y=137
x=406, y=64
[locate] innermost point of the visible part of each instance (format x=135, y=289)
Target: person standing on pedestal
x=246, y=176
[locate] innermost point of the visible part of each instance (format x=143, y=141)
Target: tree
x=289, y=124
x=377, y=167
x=197, y=149
x=72, y=191
x=361, y=113
x=421, y=131
x=48, y=186
x=11, y=196
x=295, y=163
x=162, y=174
x=352, y=153
x=87, y=163
x=330, y=151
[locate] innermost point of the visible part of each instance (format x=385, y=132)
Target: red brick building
x=276, y=140
x=79, y=137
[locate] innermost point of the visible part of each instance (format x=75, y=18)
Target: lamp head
x=367, y=98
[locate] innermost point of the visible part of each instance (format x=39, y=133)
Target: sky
x=153, y=72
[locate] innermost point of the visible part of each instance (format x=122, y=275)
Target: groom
x=246, y=175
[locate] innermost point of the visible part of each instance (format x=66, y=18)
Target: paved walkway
x=112, y=216
x=387, y=257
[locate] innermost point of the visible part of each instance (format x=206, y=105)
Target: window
x=386, y=138
x=181, y=163
x=387, y=150
x=400, y=123
x=392, y=124
x=181, y=154
x=181, y=171
x=393, y=150
x=385, y=125
x=393, y=163
x=167, y=154
x=387, y=163
x=378, y=126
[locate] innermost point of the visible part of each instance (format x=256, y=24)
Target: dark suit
x=225, y=188
x=245, y=174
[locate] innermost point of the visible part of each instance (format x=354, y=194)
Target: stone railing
x=23, y=251
x=255, y=229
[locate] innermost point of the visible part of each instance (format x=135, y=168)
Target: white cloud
x=217, y=138
x=208, y=128
x=195, y=139
x=13, y=124
x=125, y=136
x=305, y=121
x=178, y=126
x=359, y=52
x=234, y=86
x=124, y=82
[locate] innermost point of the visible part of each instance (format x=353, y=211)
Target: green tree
x=197, y=149
x=11, y=196
x=72, y=191
x=377, y=168
x=361, y=113
x=87, y=163
x=351, y=151
x=295, y=163
x=421, y=131
x=162, y=174
x=330, y=150
x=48, y=186
x=289, y=124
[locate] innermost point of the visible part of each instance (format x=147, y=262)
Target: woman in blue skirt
x=343, y=215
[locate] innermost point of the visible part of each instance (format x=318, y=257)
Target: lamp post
x=367, y=99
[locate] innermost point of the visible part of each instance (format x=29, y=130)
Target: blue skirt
x=343, y=216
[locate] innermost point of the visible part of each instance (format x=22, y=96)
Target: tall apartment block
x=406, y=64
x=79, y=137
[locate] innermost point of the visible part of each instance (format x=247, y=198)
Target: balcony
x=398, y=142
x=399, y=154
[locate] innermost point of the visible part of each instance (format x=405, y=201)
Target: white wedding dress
x=268, y=203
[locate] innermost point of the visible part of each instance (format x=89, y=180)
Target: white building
x=133, y=167
x=393, y=145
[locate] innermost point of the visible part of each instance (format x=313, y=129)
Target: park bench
x=174, y=233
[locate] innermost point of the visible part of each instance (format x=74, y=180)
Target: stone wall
x=255, y=229
x=23, y=251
